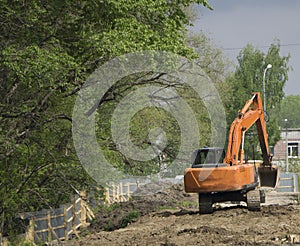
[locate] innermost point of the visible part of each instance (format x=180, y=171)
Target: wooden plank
x=54, y=233
x=29, y=236
x=74, y=218
x=107, y=196
x=51, y=216
x=41, y=230
x=83, y=209
x=128, y=190
x=65, y=222
x=89, y=213
x=70, y=232
x=78, y=226
x=78, y=200
x=56, y=216
x=49, y=226
x=47, y=229
x=69, y=208
x=122, y=198
x=41, y=219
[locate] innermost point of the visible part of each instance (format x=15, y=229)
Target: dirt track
x=273, y=225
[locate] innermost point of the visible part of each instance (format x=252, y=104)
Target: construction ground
x=171, y=217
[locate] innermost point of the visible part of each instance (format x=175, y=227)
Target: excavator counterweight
x=233, y=179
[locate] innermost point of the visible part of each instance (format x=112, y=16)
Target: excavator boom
x=246, y=118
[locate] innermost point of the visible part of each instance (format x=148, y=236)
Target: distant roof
x=292, y=133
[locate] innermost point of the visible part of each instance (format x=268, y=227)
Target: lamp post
x=287, y=147
x=264, y=87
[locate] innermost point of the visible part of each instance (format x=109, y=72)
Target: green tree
x=48, y=48
x=248, y=78
x=211, y=60
x=290, y=110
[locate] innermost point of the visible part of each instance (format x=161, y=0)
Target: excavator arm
x=246, y=118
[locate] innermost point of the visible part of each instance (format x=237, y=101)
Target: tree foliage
x=48, y=48
x=248, y=78
x=211, y=60
x=290, y=110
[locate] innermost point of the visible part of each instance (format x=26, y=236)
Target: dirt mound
x=144, y=201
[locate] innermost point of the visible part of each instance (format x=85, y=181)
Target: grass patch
x=183, y=204
x=165, y=208
x=188, y=204
x=109, y=226
x=111, y=207
x=123, y=222
x=132, y=216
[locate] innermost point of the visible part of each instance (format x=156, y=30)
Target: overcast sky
x=235, y=23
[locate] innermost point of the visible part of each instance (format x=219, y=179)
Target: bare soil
x=171, y=217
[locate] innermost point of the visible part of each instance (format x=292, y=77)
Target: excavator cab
x=208, y=157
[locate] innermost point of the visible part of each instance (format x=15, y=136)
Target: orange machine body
x=233, y=174
x=219, y=179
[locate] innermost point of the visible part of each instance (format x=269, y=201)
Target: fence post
x=29, y=236
x=114, y=193
x=118, y=193
x=128, y=191
x=49, y=226
x=66, y=222
x=83, y=208
x=121, y=197
x=74, y=215
x=107, y=196
x=4, y=242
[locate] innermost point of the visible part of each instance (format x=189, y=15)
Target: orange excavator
x=233, y=179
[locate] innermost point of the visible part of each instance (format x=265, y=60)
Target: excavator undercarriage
x=252, y=198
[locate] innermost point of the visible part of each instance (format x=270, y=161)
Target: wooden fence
x=63, y=223
x=58, y=224
x=120, y=192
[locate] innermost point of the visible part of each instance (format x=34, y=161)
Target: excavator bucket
x=268, y=175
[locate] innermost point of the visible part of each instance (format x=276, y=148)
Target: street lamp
x=287, y=147
x=264, y=88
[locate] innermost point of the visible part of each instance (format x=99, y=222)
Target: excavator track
x=205, y=204
x=253, y=200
